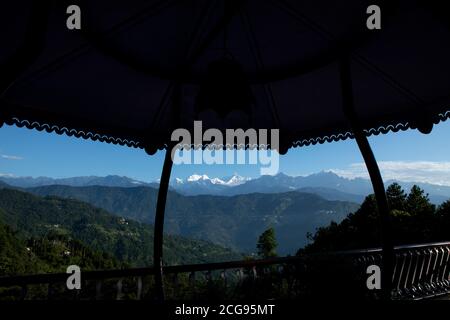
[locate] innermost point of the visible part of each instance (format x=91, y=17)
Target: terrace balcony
x=421, y=271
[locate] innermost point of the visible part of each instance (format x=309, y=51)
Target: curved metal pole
x=159, y=224
x=375, y=176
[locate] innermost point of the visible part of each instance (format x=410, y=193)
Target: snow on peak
x=197, y=177
x=232, y=181
x=203, y=178
x=236, y=180
x=217, y=181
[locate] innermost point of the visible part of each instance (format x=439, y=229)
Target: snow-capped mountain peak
x=204, y=180
x=236, y=180
x=202, y=184
x=197, y=177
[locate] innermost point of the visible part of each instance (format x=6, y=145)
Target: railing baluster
x=175, y=280
x=23, y=292
x=50, y=291
x=414, y=277
x=440, y=265
x=442, y=268
x=192, y=278
x=208, y=277
x=395, y=271
x=420, y=278
x=401, y=272
x=426, y=271
x=76, y=292
x=445, y=262
x=98, y=290
x=406, y=286
x=445, y=272
x=119, y=289
x=435, y=256
x=240, y=274
x=223, y=276
x=437, y=272
x=139, y=288
x=192, y=283
x=254, y=272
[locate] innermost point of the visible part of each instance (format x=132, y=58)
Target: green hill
x=32, y=217
x=234, y=221
x=50, y=253
x=13, y=255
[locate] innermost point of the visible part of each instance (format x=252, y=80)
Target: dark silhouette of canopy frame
x=132, y=74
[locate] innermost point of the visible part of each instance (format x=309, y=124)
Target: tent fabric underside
x=131, y=75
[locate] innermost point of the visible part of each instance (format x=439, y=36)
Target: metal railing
x=420, y=271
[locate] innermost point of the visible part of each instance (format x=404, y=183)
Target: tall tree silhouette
x=414, y=220
x=396, y=197
x=267, y=244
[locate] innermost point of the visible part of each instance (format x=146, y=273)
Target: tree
x=418, y=203
x=444, y=210
x=267, y=244
x=414, y=219
x=396, y=197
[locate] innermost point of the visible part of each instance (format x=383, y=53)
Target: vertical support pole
x=375, y=177
x=159, y=224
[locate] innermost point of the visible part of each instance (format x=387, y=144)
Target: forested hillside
x=234, y=221
x=51, y=226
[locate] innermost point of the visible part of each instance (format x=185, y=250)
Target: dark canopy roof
x=132, y=73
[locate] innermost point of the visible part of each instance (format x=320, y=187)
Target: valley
x=234, y=222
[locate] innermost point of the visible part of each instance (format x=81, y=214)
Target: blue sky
x=410, y=156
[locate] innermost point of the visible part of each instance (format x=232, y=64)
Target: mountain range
x=110, y=181
x=230, y=221
x=325, y=184
x=197, y=184
x=232, y=211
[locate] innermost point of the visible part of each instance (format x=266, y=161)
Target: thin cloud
x=8, y=175
x=408, y=171
x=10, y=157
